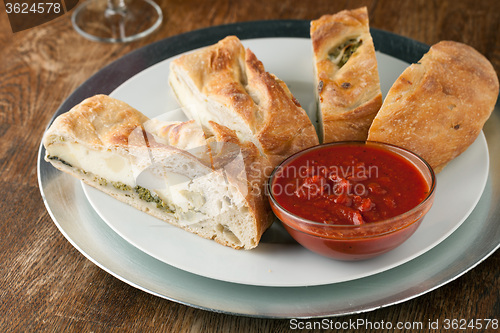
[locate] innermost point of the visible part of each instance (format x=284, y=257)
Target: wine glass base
x=95, y=21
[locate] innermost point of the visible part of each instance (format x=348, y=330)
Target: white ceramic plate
x=278, y=261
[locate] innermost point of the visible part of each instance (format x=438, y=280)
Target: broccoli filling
x=101, y=181
x=121, y=186
x=342, y=53
x=146, y=195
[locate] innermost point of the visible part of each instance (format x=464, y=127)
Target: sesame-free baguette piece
x=438, y=106
x=227, y=84
x=347, y=84
x=113, y=147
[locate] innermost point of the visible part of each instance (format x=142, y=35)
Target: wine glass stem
x=116, y=7
x=115, y=13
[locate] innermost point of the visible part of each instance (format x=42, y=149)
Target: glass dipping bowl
x=356, y=242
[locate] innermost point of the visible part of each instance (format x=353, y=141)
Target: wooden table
x=45, y=284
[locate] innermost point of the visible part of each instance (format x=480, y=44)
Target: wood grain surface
x=47, y=285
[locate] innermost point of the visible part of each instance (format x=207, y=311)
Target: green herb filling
x=55, y=158
x=346, y=49
x=146, y=195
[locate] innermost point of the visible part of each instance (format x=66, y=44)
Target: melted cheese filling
x=183, y=196
x=107, y=164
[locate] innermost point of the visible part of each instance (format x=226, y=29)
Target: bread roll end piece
x=438, y=106
x=347, y=85
x=227, y=84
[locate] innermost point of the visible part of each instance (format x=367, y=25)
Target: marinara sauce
x=349, y=185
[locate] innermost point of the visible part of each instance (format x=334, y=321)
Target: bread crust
x=438, y=106
x=348, y=94
x=97, y=121
x=256, y=104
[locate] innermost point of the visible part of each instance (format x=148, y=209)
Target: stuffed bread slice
x=438, y=106
x=227, y=84
x=106, y=143
x=346, y=77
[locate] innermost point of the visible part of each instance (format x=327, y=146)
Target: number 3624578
x=34, y=8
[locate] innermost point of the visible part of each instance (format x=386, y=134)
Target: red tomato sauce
x=349, y=185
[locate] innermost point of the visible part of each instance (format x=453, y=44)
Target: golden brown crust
x=438, y=106
x=220, y=75
x=284, y=127
x=98, y=120
x=348, y=92
x=253, y=98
